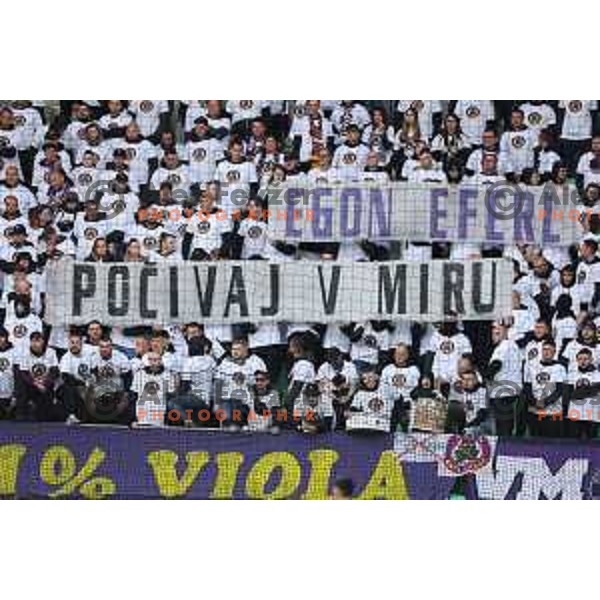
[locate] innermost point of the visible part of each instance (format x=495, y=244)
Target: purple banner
x=538, y=470
x=56, y=461
x=494, y=468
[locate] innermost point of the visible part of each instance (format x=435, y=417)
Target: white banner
x=260, y=291
x=501, y=213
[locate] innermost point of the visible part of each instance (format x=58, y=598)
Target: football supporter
x=177, y=172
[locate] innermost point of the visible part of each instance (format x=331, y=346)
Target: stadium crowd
x=535, y=373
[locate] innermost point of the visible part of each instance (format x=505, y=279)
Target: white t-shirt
x=118, y=121
x=241, y=110
x=375, y=411
x=256, y=242
x=517, y=149
x=237, y=176
x=538, y=116
x=509, y=354
x=19, y=331
x=178, y=177
x=147, y=114
x=350, y=161
x=473, y=115
x=108, y=368
x=202, y=158
x=237, y=378
x=577, y=123
x=543, y=379
x=447, y=352
x=7, y=380
x=152, y=390
x=368, y=346
x=585, y=408
x=207, y=231
x=302, y=370
x=78, y=365
x=200, y=372
x=399, y=382
x=38, y=366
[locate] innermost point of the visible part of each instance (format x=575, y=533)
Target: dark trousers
x=6, y=411
x=184, y=403
x=547, y=427
x=71, y=395
x=571, y=150
x=579, y=429
x=455, y=418
x=236, y=412
x=510, y=415
x=37, y=405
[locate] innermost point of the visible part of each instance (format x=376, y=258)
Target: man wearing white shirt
x=173, y=171
x=138, y=150
x=576, y=129
x=474, y=116
x=350, y=158
x=538, y=115
x=12, y=186
x=150, y=115
x=76, y=369
x=207, y=232
x=587, y=171
x=506, y=382
x=74, y=134
x=36, y=380
x=238, y=176
x=203, y=152
x=517, y=144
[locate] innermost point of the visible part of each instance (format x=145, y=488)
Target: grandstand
x=379, y=276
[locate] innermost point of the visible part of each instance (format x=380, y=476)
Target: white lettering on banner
x=261, y=291
x=497, y=214
x=495, y=482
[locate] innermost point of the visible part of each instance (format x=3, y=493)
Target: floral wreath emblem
x=467, y=453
